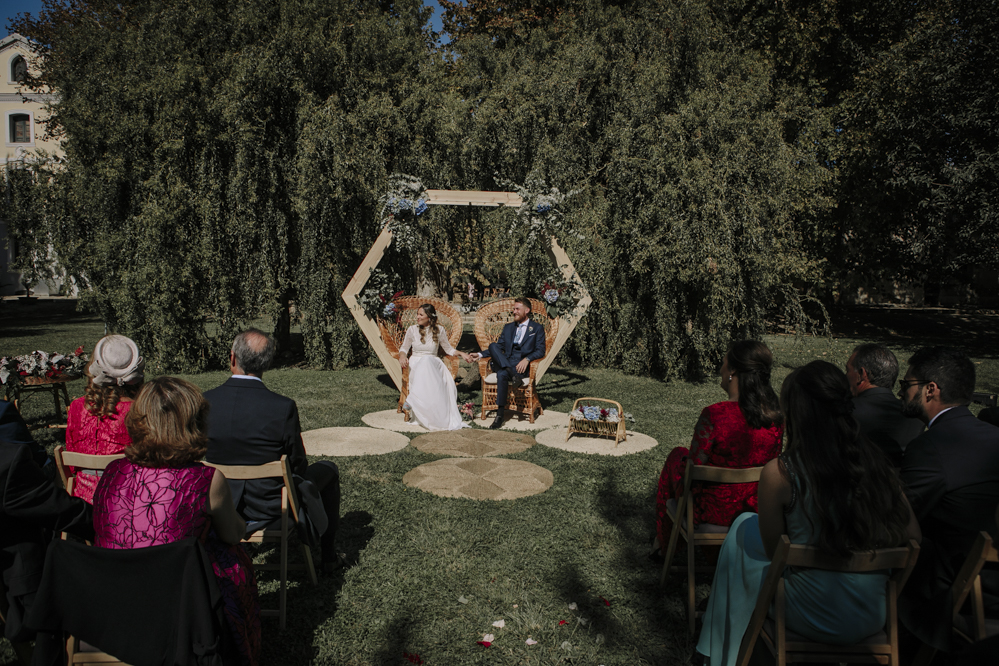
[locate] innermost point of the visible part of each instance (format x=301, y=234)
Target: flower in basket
x=591, y=413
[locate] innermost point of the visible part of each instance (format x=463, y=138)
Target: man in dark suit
x=250, y=425
x=872, y=371
x=951, y=475
x=31, y=508
x=521, y=342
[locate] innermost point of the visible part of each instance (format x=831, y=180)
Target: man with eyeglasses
x=871, y=371
x=951, y=475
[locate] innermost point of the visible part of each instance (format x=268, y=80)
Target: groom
x=521, y=342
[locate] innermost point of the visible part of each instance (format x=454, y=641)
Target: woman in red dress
x=744, y=431
x=95, y=423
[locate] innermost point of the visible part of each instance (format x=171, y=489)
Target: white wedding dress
x=433, y=398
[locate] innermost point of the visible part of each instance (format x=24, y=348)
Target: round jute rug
x=389, y=420
x=603, y=446
x=480, y=478
x=352, y=441
x=473, y=443
x=520, y=422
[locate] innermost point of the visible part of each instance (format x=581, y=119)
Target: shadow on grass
x=310, y=607
x=397, y=639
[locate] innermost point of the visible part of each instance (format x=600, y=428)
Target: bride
x=433, y=398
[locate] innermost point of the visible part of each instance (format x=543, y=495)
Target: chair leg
x=310, y=565
x=691, y=612
x=674, y=536
x=283, y=589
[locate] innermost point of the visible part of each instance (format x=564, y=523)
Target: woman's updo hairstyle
x=750, y=361
x=431, y=313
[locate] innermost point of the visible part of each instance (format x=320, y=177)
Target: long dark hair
x=431, y=313
x=852, y=488
x=750, y=361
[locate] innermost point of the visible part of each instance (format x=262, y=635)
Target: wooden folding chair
x=65, y=460
x=786, y=646
x=270, y=534
x=704, y=534
x=969, y=582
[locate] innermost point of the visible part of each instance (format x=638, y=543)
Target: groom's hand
x=522, y=366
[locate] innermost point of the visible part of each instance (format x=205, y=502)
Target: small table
x=18, y=389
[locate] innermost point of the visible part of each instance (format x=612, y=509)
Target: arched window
x=20, y=128
x=18, y=69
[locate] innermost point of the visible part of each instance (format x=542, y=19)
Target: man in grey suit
x=872, y=371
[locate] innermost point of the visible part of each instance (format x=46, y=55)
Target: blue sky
x=10, y=8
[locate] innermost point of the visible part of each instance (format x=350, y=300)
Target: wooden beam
x=567, y=323
x=369, y=327
x=472, y=198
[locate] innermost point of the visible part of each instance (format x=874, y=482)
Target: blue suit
x=505, y=354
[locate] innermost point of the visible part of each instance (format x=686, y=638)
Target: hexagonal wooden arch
x=456, y=198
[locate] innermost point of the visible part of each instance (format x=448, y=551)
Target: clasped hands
x=522, y=366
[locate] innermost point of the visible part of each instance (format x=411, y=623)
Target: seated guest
x=30, y=505
x=251, y=425
x=744, y=431
x=951, y=474
x=872, y=370
x=831, y=488
x=95, y=423
x=14, y=430
x=159, y=493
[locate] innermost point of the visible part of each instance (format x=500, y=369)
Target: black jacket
x=32, y=507
x=879, y=413
x=951, y=477
x=159, y=605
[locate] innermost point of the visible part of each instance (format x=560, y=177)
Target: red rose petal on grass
x=606, y=603
x=412, y=658
x=561, y=622
x=484, y=643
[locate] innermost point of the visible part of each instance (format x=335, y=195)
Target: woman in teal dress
x=831, y=488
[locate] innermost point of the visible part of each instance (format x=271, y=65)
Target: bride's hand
x=403, y=361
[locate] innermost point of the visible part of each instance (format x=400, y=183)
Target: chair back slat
x=88, y=461
x=274, y=469
x=876, y=560
x=725, y=474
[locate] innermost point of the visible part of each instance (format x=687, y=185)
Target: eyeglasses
x=904, y=384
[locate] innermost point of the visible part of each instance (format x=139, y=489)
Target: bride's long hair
x=431, y=313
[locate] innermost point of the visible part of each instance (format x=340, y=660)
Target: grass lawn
x=433, y=575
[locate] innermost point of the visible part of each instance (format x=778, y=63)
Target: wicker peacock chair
x=489, y=322
x=393, y=333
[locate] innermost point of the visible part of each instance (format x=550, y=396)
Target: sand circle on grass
x=603, y=446
x=473, y=443
x=480, y=478
x=520, y=422
x=352, y=441
x=389, y=419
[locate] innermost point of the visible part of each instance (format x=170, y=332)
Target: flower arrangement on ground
x=596, y=413
x=401, y=205
x=377, y=298
x=43, y=364
x=560, y=295
x=540, y=212
x=467, y=410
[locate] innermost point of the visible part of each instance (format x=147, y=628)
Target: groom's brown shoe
x=498, y=421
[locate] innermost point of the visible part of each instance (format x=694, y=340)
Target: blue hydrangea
x=389, y=310
x=551, y=295
x=543, y=208
x=421, y=207
x=612, y=414
x=591, y=413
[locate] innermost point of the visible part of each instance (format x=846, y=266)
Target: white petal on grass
x=488, y=638
x=566, y=645
x=531, y=641
x=573, y=606
x=462, y=600
x=499, y=624
x=600, y=641
x=583, y=621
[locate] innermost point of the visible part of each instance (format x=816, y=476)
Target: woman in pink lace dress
x=96, y=422
x=160, y=493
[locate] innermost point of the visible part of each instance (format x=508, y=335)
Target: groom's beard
x=914, y=408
